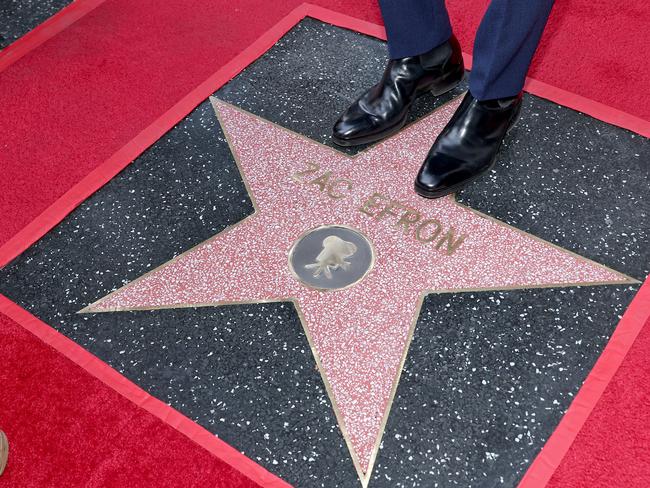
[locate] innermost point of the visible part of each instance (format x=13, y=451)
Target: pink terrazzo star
x=360, y=335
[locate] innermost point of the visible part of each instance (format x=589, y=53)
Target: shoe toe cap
x=439, y=174
x=354, y=123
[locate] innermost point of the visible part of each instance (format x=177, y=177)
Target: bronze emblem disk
x=331, y=257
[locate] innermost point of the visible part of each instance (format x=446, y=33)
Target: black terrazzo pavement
x=486, y=381
x=18, y=17
x=575, y=181
x=463, y=415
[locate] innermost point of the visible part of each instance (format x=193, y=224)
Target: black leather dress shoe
x=382, y=110
x=467, y=147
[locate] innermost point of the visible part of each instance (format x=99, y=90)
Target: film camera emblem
x=331, y=257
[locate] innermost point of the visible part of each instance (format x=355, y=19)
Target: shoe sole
x=453, y=189
x=370, y=139
x=423, y=192
x=396, y=128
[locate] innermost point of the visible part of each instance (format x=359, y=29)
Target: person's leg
x=504, y=46
x=468, y=146
x=425, y=57
x=414, y=27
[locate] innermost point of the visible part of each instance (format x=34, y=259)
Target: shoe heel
x=514, y=120
x=454, y=79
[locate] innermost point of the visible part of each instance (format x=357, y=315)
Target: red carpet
x=67, y=428
x=79, y=98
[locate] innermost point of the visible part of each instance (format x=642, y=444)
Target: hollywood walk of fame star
x=359, y=333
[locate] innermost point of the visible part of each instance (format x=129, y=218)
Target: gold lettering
x=407, y=219
x=322, y=181
x=425, y=223
x=451, y=244
x=388, y=210
x=371, y=203
x=313, y=167
x=332, y=187
x=380, y=206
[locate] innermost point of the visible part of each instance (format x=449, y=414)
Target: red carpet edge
x=48, y=29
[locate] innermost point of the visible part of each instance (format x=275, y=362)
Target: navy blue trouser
x=504, y=46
